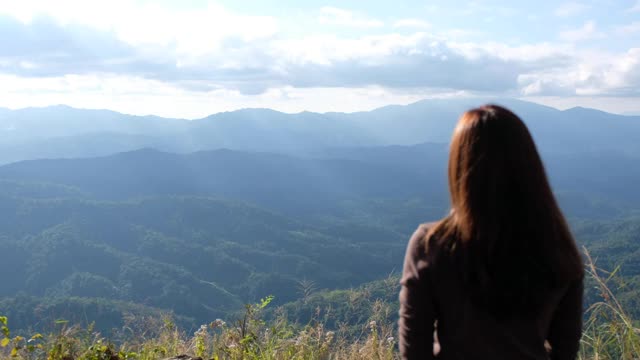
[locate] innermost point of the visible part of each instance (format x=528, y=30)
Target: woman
x=501, y=275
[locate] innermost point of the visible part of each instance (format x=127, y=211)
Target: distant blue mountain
x=64, y=132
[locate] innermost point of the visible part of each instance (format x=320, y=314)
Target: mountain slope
x=323, y=185
x=277, y=181
x=199, y=257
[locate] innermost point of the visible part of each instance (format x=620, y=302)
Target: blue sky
x=192, y=58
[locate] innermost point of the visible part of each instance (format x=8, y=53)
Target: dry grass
x=609, y=334
x=246, y=338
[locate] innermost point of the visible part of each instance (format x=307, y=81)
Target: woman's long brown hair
x=509, y=236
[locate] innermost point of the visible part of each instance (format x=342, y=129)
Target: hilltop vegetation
x=363, y=330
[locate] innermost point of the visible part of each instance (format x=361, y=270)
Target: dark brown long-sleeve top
x=431, y=293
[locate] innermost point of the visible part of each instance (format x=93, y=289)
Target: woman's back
x=432, y=284
x=500, y=274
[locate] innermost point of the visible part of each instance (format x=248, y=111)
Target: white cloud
x=592, y=73
x=328, y=49
x=570, y=9
x=192, y=32
x=545, y=83
x=541, y=53
x=141, y=58
x=412, y=23
x=587, y=32
x=341, y=17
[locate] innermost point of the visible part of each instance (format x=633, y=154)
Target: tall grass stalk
x=609, y=332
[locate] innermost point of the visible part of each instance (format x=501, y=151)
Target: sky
x=192, y=58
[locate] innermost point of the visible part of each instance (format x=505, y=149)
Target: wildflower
x=328, y=338
x=217, y=323
x=201, y=331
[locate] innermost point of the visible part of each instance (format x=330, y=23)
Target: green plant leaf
x=4, y=342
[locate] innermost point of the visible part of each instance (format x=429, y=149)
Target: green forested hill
x=201, y=234
x=199, y=257
x=591, y=184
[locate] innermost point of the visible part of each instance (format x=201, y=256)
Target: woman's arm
x=417, y=314
x=566, y=325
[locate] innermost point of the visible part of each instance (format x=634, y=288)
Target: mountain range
x=64, y=132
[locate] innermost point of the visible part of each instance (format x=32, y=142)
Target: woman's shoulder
x=419, y=256
x=419, y=241
x=426, y=227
